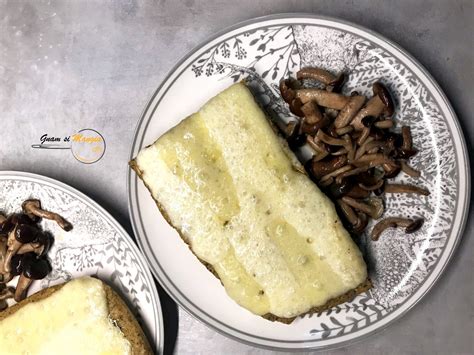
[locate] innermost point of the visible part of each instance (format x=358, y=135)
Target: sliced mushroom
x=33, y=208
x=12, y=247
x=344, y=130
x=321, y=168
x=406, y=150
x=37, y=269
x=36, y=248
x=323, y=137
x=357, y=192
x=323, y=98
x=336, y=85
x=407, y=139
x=416, y=225
x=3, y=254
x=381, y=91
x=372, y=160
x=295, y=107
x=348, y=212
x=373, y=187
x=22, y=287
x=384, y=124
x=354, y=171
x=363, y=136
x=287, y=89
x=391, y=169
x=337, y=190
x=312, y=112
x=290, y=128
x=336, y=172
x=348, y=112
x=373, y=206
x=373, y=107
x=6, y=293
x=341, y=151
x=394, y=222
x=401, y=188
x=318, y=74
x=370, y=146
x=407, y=169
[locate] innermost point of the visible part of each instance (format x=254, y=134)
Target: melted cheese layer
x=72, y=320
x=229, y=187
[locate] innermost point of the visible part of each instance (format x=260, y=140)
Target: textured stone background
x=68, y=65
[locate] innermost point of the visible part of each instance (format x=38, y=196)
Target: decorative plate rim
x=455, y=132
x=31, y=177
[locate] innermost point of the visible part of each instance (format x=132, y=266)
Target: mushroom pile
x=354, y=149
x=23, y=248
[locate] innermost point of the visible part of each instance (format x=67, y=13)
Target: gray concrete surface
x=67, y=65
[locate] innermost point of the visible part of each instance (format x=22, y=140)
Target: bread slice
x=225, y=182
x=119, y=314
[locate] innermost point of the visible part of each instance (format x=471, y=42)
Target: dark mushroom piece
x=373, y=206
x=20, y=235
x=348, y=112
x=33, y=208
x=287, y=89
x=290, y=128
x=295, y=107
x=313, y=119
x=416, y=225
x=373, y=187
x=391, y=169
x=365, y=133
x=380, y=103
x=406, y=150
x=381, y=91
x=323, y=98
x=336, y=85
x=348, y=212
x=407, y=139
x=3, y=219
x=344, y=130
x=401, y=188
x=4, y=276
x=336, y=172
x=36, y=248
x=337, y=190
x=354, y=171
x=384, y=124
x=323, y=137
x=341, y=151
x=296, y=140
x=371, y=146
x=373, y=107
x=372, y=160
x=5, y=293
x=321, y=168
x=35, y=270
x=318, y=74
x=361, y=224
x=311, y=112
x=358, y=193
x=407, y=169
x=394, y=222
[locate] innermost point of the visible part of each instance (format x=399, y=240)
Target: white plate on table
x=403, y=268
x=96, y=246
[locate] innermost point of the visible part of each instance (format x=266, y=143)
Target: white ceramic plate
x=97, y=246
x=403, y=268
